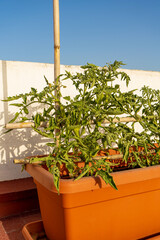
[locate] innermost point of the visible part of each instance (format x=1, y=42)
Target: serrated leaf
x=15, y=117
x=12, y=98
x=56, y=176
x=107, y=178
x=16, y=104
x=33, y=90
x=83, y=173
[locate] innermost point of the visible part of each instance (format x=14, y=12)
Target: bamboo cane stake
x=24, y=161
x=45, y=124
x=24, y=125
x=19, y=125
x=111, y=157
x=120, y=156
x=123, y=119
x=56, y=56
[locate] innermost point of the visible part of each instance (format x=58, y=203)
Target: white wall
x=18, y=77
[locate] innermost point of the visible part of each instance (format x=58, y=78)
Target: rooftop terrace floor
x=11, y=227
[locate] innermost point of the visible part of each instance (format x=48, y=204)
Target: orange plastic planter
x=34, y=230
x=89, y=209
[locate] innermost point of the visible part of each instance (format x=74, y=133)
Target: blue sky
x=91, y=31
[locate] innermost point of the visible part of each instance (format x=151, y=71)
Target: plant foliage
x=80, y=122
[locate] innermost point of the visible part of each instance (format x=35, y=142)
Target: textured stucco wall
x=17, y=77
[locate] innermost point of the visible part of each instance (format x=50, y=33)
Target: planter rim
x=91, y=183
x=32, y=228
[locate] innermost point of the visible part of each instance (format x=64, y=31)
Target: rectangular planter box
x=89, y=209
x=34, y=230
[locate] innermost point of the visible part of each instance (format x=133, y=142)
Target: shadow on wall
x=19, y=143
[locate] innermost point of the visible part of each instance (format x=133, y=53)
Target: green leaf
x=23, y=168
x=83, y=131
x=138, y=159
x=104, y=142
x=126, y=154
x=56, y=176
x=16, y=104
x=44, y=134
x=12, y=98
x=25, y=110
x=24, y=98
x=23, y=119
x=83, y=173
x=107, y=178
x=7, y=131
x=15, y=117
x=67, y=98
x=33, y=90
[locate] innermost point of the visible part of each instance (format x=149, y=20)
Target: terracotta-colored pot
x=89, y=209
x=34, y=230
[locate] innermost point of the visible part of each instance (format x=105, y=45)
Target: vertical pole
x=56, y=54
